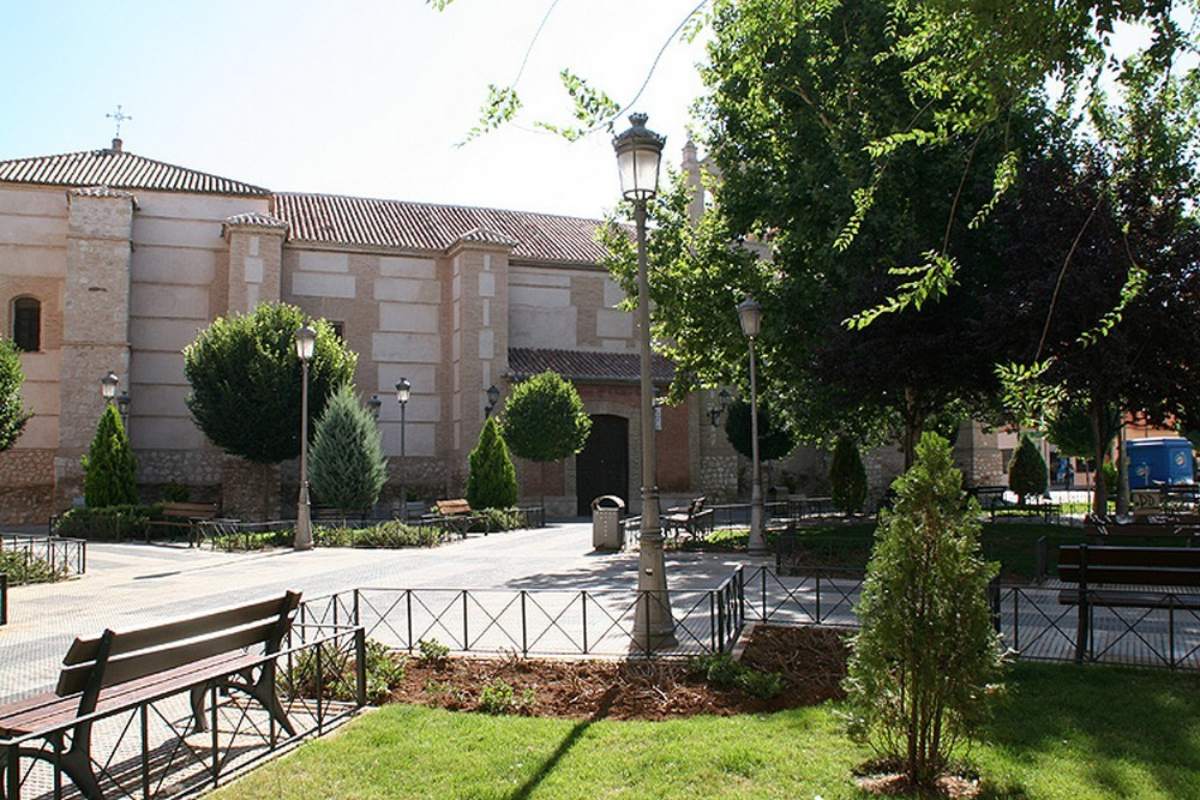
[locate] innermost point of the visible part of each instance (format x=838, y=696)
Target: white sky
x=363, y=98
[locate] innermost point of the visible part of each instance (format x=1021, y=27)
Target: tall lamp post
x=306, y=339
x=403, y=389
x=639, y=152
x=750, y=313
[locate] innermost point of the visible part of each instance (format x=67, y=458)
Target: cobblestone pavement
x=131, y=585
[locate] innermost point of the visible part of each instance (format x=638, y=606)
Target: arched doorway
x=603, y=465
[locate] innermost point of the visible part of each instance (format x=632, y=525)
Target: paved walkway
x=130, y=585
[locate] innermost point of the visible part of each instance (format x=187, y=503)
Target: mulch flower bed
x=811, y=661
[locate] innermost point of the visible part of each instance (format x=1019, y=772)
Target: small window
x=339, y=328
x=27, y=324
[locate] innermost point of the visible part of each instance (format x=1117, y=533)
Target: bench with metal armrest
x=123, y=671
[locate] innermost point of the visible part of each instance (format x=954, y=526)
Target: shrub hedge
x=385, y=535
x=23, y=568
x=109, y=523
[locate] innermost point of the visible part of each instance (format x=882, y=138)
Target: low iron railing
x=156, y=747
x=540, y=622
x=63, y=555
x=1031, y=620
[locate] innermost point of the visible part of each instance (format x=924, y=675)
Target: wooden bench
x=1047, y=511
x=693, y=519
x=118, y=672
x=1101, y=575
x=1102, y=527
x=453, y=508
x=456, y=515
x=988, y=496
x=185, y=516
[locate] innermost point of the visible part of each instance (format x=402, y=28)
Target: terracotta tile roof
x=337, y=219
x=118, y=169
x=586, y=365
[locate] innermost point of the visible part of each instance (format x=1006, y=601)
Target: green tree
x=544, y=420
x=245, y=378
x=109, y=468
x=1101, y=245
x=1027, y=472
x=848, y=477
x=346, y=465
x=796, y=94
x=926, y=654
x=13, y=414
x=1071, y=430
x=492, y=478
x=775, y=439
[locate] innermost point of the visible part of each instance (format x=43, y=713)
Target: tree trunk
x=1100, y=500
x=1122, y=472
x=914, y=423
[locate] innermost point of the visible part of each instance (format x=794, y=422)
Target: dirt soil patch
x=812, y=662
x=886, y=779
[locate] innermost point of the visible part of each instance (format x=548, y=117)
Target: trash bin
x=606, y=522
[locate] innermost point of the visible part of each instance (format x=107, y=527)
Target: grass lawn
x=1062, y=733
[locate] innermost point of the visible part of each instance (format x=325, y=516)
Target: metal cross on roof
x=120, y=117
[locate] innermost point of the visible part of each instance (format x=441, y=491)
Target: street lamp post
x=108, y=387
x=750, y=313
x=493, y=397
x=403, y=390
x=639, y=152
x=715, y=413
x=374, y=404
x=123, y=408
x=306, y=339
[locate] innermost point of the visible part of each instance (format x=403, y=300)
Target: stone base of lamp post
x=303, y=539
x=654, y=624
x=758, y=540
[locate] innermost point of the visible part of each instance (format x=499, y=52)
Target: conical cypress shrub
x=926, y=653
x=346, y=468
x=109, y=468
x=1027, y=472
x=848, y=477
x=492, y=480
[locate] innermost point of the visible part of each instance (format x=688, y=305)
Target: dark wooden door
x=603, y=466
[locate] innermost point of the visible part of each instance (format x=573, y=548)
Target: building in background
x=113, y=261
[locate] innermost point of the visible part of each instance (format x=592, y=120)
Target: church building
x=112, y=261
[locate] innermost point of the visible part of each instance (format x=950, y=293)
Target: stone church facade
x=113, y=261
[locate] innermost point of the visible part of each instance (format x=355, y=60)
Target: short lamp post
x=306, y=339
x=639, y=153
x=750, y=313
x=403, y=391
x=493, y=397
